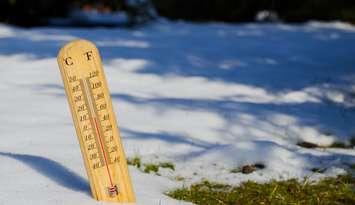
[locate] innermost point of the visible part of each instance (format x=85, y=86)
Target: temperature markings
x=72, y=79
x=100, y=96
x=94, y=113
x=100, y=120
x=105, y=117
x=91, y=145
x=87, y=103
x=95, y=122
x=104, y=121
x=90, y=141
x=93, y=74
x=78, y=98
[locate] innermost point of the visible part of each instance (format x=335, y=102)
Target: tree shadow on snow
x=317, y=115
x=167, y=137
x=275, y=57
x=52, y=170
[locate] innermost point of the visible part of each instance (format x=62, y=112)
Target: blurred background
x=132, y=12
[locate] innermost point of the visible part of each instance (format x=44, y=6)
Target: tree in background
x=246, y=10
x=27, y=13
x=38, y=12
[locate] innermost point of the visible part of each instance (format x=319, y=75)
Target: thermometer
x=95, y=122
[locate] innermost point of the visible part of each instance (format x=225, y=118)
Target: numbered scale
x=95, y=123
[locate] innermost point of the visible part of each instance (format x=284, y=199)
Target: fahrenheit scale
x=95, y=123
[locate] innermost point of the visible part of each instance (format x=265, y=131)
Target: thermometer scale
x=95, y=123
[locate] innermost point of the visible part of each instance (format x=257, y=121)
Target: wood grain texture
x=95, y=122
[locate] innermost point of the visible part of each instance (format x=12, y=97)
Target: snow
x=207, y=97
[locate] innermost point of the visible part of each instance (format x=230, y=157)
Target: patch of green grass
x=167, y=165
x=135, y=161
x=336, y=144
x=339, y=190
x=151, y=168
x=179, y=178
x=340, y=145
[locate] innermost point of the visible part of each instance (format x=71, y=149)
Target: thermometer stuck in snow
x=95, y=123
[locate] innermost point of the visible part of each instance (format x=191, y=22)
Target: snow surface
x=207, y=97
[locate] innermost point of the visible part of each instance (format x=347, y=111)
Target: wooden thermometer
x=95, y=122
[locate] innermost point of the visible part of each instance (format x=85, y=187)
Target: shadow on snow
x=53, y=171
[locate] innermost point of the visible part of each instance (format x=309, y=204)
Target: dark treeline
x=37, y=12
x=246, y=10
x=28, y=13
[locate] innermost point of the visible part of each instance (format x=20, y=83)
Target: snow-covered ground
x=207, y=97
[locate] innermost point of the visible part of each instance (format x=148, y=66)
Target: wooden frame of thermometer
x=95, y=122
